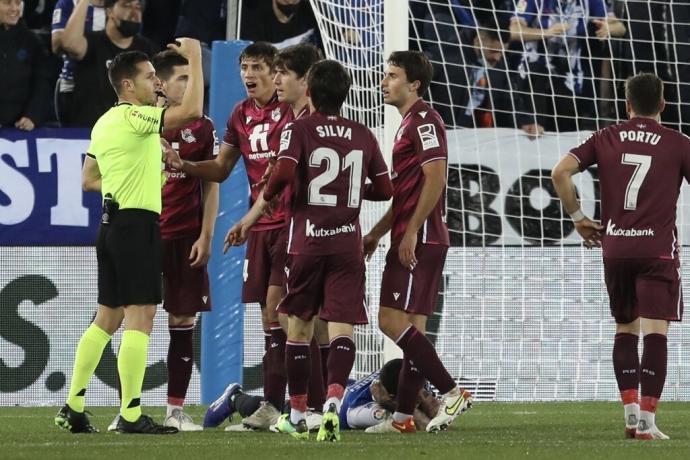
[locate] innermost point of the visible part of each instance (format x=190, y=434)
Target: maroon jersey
x=421, y=139
x=334, y=156
x=641, y=168
x=256, y=132
x=182, y=211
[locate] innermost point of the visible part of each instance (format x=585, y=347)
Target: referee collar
x=123, y=103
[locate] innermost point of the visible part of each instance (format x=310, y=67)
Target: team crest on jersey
x=275, y=115
x=427, y=134
x=187, y=136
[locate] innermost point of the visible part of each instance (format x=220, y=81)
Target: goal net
x=523, y=312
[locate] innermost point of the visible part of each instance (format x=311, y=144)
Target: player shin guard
x=180, y=363
x=652, y=375
x=298, y=367
x=316, y=391
x=626, y=365
x=88, y=355
x=409, y=384
x=275, y=378
x=131, y=364
x=417, y=347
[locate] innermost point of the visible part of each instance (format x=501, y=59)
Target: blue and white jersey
x=356, y=394
x=95, y=21
x=562, y=55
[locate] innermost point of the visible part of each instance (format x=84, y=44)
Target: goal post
x=523, y=313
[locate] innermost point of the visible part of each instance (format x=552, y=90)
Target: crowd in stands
x=554, y=65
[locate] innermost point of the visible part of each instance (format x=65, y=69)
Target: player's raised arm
x=561, y=175
x=192, y=106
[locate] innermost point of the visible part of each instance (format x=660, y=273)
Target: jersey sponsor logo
x=143, y=116
x=285, y=139
x=611, y=230
x=275, y=115
x=175, y=175
x=188, y=136
x=313, y=232
x=427, y=134
x=262, y=155
x=258, y=139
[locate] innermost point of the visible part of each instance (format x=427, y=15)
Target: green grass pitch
x=489, y=431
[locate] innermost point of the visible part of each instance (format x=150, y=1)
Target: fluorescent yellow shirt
x=125, y=142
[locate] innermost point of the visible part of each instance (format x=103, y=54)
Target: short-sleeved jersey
x=125, y=142
x=564, y=52
x=256, y=132
x=641, y=168
x=182, y=205
x=334, y=157
x=95, y=21
x=420, y=139
x=357, y=394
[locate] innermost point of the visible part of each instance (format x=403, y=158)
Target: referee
x=124, y=159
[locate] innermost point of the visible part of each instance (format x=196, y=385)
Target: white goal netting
x=523, y=313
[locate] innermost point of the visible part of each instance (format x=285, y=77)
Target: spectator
x=160, y=20
x=280, y=22
x=95, y=21
x=205, y=21
x=94, y=50
x=472, y=86
x=552, y=67
x=25, y=77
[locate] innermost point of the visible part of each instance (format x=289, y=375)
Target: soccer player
x=326, y=158
x=189, y=214
x=291, y=67
x=253, y=133
x=419, y=241
x=641, y=168
x=126, y=146
x=370, y=400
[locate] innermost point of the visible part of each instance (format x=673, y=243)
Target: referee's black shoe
x=76, y=422
x=143, y=425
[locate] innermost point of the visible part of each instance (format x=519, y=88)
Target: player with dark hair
x=190, y=207
x=641, y=168
x=419, y=242
x=326, y=158
x=371, y=400
x=253, y=133
x=124, y=163
x=291, y=67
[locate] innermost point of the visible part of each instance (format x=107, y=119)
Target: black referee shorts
x=130, y=259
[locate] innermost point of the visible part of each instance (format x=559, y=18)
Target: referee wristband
x=578, y=215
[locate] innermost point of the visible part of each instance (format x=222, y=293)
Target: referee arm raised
x=125, y=144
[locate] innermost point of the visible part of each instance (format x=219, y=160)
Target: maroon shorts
x=414, y=291
x=334, y=283
x=185, y=289
x=647, y=288
x=264, y=263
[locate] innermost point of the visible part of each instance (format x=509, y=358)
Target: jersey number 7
x=642, y=164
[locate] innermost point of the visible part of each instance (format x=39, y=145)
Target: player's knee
x=391, y=322
x=174, y=320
